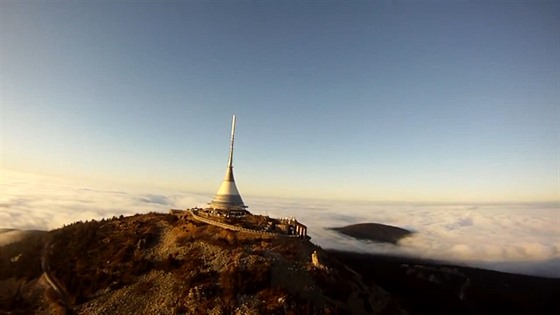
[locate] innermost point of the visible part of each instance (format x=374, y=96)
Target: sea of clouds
x=519, y=238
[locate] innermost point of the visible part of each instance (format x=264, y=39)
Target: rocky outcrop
x=316, y=263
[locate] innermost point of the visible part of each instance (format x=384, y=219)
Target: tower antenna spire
x=230, y=160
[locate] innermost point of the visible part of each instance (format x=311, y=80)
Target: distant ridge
x=374, y=232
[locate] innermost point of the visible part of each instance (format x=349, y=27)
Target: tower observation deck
x=228, y=198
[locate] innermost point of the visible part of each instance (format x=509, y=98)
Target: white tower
x=227, y=198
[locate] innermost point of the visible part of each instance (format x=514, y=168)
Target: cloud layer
x=44, y=202
x=521, y=238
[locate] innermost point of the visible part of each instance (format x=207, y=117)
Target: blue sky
x=407, y=101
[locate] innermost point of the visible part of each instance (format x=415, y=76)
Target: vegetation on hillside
x=215, y=267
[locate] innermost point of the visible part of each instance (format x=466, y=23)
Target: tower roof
x=227, y=197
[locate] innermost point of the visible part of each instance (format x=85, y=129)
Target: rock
x=16, y=258
x=315, y=261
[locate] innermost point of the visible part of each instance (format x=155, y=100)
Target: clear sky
x=400, y=101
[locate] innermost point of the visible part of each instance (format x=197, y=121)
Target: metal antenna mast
x=230, y=160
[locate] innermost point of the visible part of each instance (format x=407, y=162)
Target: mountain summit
x=173, y=264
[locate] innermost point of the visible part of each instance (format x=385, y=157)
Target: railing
x=237, y=228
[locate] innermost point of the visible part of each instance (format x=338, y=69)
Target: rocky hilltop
x=170, y=264
x=175, y=264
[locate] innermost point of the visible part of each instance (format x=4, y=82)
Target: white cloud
x=44, y=202
x=515, y=238
x=522, y=238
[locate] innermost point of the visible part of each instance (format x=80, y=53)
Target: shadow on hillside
x=429, y=286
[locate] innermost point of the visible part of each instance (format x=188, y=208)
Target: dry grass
x=101, y=254
x=270, y=274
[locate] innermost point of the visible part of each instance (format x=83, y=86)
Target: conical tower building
x=227, y=198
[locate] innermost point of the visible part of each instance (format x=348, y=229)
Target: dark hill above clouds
x=374, y=232
x=162, y=264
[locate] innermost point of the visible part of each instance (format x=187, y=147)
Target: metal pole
x=230, y=161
